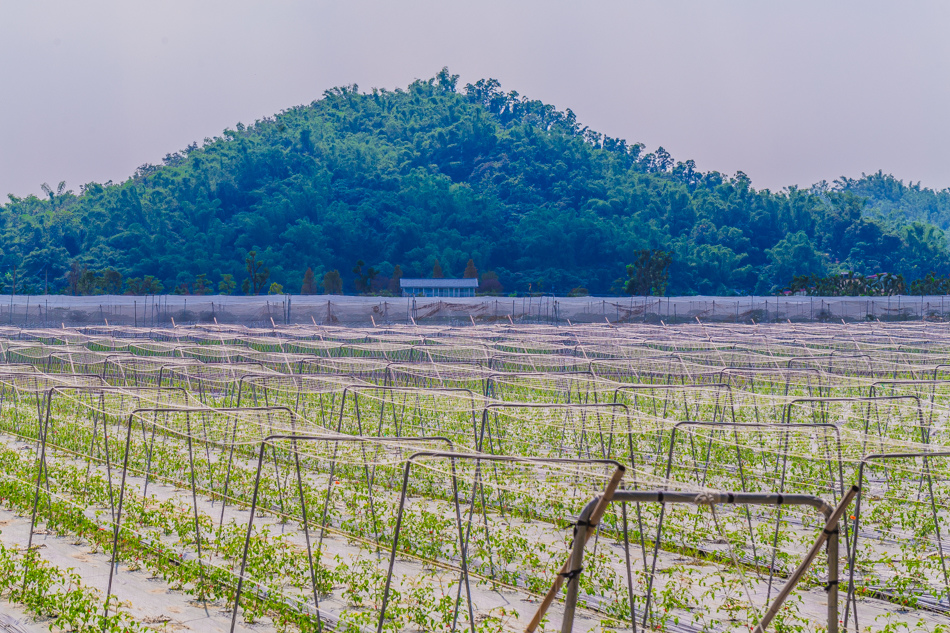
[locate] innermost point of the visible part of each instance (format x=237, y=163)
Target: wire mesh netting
x=431, y=477
x=158, y=311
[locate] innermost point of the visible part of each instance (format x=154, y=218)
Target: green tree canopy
x=649, y=274
x=440, y=172
x=333, y=283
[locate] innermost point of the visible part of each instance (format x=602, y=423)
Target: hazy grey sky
x=790, y=93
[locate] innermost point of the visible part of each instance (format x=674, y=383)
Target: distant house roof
x=438, y=283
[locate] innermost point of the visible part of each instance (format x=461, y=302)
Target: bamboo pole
x=585, y=535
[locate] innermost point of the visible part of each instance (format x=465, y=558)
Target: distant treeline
x=436, y=173
x=852, y=284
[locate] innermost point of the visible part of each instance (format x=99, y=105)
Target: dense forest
x=436, y=175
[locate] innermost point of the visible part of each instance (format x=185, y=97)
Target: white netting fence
x=54, y=310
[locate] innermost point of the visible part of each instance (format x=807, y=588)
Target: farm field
x=404, y=478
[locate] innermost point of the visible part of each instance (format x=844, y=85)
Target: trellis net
x=429, y=477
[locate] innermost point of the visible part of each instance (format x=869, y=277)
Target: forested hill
x=440, y=172
x=890, y=199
